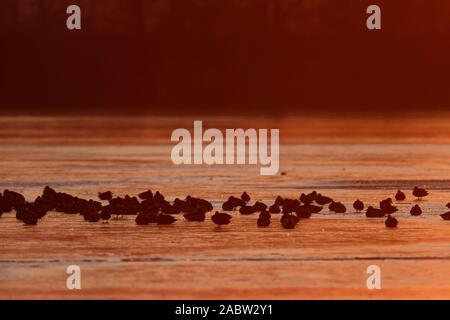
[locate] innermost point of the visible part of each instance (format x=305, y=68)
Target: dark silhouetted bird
x=358, y=205
x=247, y=210
x=196, y=216
x=26, y=213
x=245, y=197
x=289, y=205
x=5, y=207
x=165, y=219
x=30, y=219
x=312, y=208
x=227, y=206
x=265, y=214
x=420, y=193
x=391, y=222
x=274, y=209
x=264, y=219
x=387, y=207
x=158, y=197
x=372, y=212
x=312, y=195
x=323, y=200
x=289, y=221
x=142, y=219
x=40, y=207
x=385, y=203
x=337, y=207
x=279, y=201
x=400, y=196
x=169, y=209
x=105, y=215
x=13, y=199
x=147, y=195
x=259, y=206
x=148, y=207
x=145, y=218
x=236, y=202
x=446, y=216
x=302, y=212
x=221, y=218
x=448, y=205
x=308, y=198
x=416, y=211
x=105, y=196
x=92, y=216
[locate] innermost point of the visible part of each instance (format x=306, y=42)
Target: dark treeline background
x=223, y=56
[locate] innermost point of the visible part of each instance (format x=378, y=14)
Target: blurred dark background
x=223, y=57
